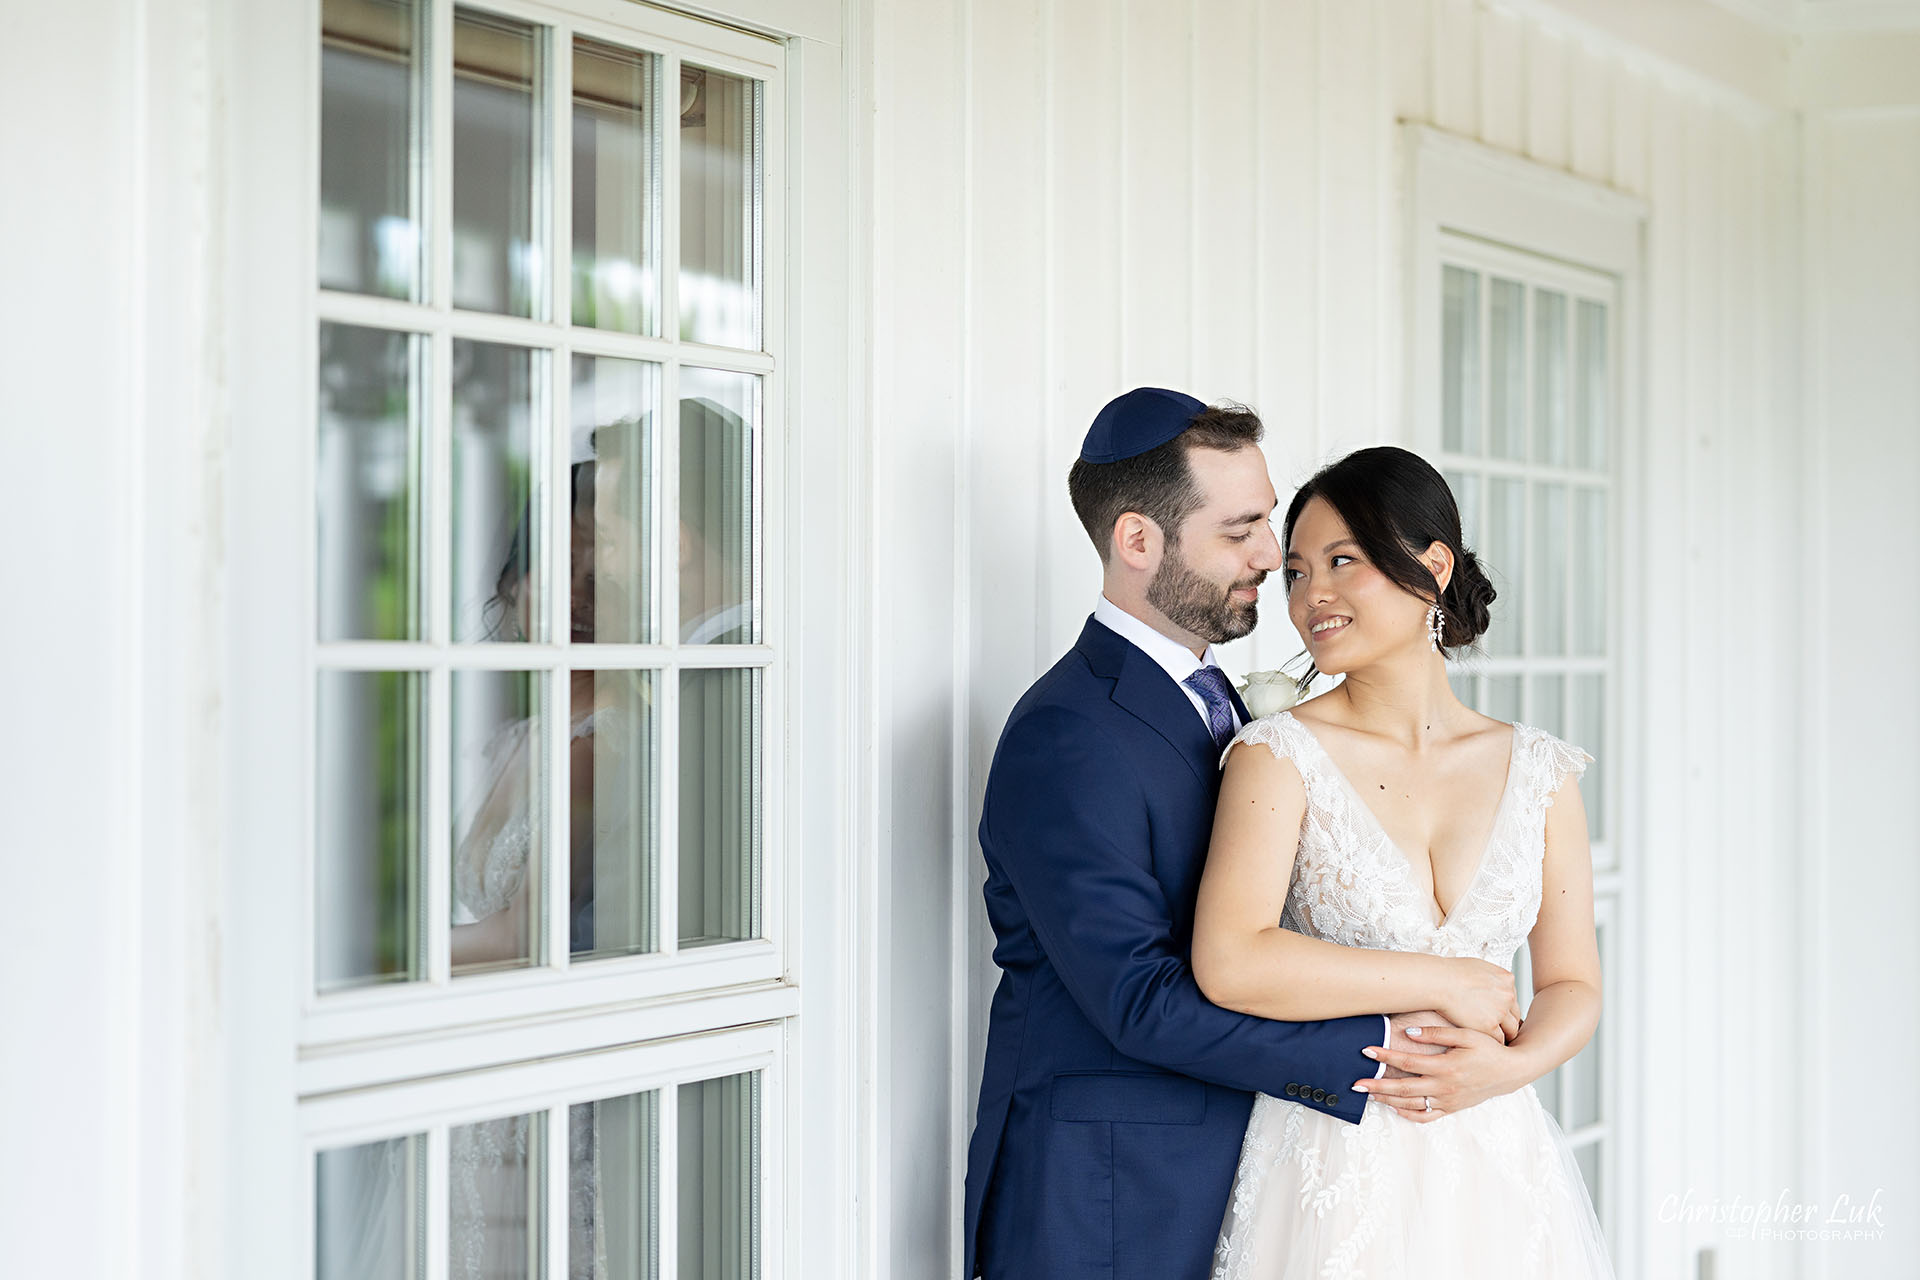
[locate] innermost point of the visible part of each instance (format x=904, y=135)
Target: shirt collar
x=1172, y=656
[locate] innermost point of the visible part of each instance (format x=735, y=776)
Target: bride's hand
x=1473, y=1068
x=1481, y=996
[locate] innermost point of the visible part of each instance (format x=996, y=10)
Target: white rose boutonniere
x=1268, y=693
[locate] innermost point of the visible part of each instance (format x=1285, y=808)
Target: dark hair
x=1157, y=484
x=1396, y=505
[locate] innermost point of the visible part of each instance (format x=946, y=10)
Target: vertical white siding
x=1857, y=869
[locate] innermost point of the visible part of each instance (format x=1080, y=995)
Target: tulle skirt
x=1490, y=1192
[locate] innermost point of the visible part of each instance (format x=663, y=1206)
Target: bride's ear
x=1438, y=557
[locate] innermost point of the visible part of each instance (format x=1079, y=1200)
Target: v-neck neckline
x=1499, y=812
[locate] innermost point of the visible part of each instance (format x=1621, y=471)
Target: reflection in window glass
x=497, y=543
x=1588, y=1158
x=719, y=806
x=368, y=504
x=615, y=780
x=1550, y=377
x=613, y=1230
x=1549, y=704
x=370, y=171
x=1506, y=561
x=1548, y=591
x=495, y=1175
x=614, y=592
x=499, y=812
x=1590, y=386
x=1504, y=699
x=719, y=579
x=1460, y=360
x=1588, y=727
x=372, y=818
x=719, y=208
x=497, y=137
x=616, y=188
x=1589, y=572
x=1507, y=370
x=367, y=1221
x=719, y=1179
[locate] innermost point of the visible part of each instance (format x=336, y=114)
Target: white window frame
x=301, y=1072
x=1464, y=201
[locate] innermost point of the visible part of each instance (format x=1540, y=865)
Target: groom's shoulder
x=1068, y=698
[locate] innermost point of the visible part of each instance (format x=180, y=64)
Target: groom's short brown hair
x=1157, y=484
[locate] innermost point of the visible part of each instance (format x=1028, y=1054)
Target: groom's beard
x=1200, y=605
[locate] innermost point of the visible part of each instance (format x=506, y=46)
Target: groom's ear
x=1136, y=539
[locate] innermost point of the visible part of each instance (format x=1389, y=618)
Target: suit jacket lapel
x=1144, y=688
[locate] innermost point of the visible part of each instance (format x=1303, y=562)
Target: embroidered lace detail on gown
x=1492, y=1191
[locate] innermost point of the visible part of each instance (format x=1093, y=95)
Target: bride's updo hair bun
x=1396, y=506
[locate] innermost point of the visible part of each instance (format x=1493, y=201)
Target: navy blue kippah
x=1142, y=419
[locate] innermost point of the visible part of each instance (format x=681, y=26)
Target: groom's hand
x=1452, y=1068
x=1403, y=1043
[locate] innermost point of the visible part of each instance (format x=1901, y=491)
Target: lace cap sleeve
x=1275, y=732
x=1554, y=763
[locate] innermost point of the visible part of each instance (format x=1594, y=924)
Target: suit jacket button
x=1319, y=1095
x=1332, y=1099
x=1293, y=1090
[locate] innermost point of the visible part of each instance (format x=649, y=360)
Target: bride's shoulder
x=1549, y=757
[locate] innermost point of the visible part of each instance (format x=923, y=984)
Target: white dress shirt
x=1178, y=661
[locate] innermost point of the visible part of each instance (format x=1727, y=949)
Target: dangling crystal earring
x=1435, y=627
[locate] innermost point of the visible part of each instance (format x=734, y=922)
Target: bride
x=1365, y=842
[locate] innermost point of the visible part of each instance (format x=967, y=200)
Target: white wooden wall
x=1859, y=599
x=1079, y=196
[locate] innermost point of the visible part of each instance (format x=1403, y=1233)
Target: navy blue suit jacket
x=1115, y=1096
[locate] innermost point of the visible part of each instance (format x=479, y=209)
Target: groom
x=1114, y=1096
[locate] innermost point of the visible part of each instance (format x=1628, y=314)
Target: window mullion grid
x=439, y=774
x=556, y=1203
x=435, y=1220
x=560, y=174
x=667, y=503
x=439, y=221
x=667, y=1184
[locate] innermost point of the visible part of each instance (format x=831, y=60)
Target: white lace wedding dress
x=1492, y=1191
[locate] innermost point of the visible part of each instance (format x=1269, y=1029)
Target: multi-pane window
x=1528, y=439
x=546, y=694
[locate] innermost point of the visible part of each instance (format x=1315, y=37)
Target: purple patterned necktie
x=1211, y=684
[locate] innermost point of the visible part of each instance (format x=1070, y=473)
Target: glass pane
x=498, y=547
x=1588, y=1158
x=1590, y=385
x=371, y=171
x=1507, y=370
x=720, y=1179
x=497, y=264
x=1549, y=705
x=367, y=1211
x=613, y=1230
x=372, y=820
x=719, y=208
x=1464, y=686
x=1506, y=561
x=1459, y=360
x=1590, y=572
x=1587, y=727
x=1466, y=496
x=615, y=495
x=1550, y=377
x=616, y=188
x=368, y=471
x=1504, y=699
x=719, y=491
x=499, y=826
x=614, y=765
x=719, y=806
x=1547, y=634
x=495, y=1172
